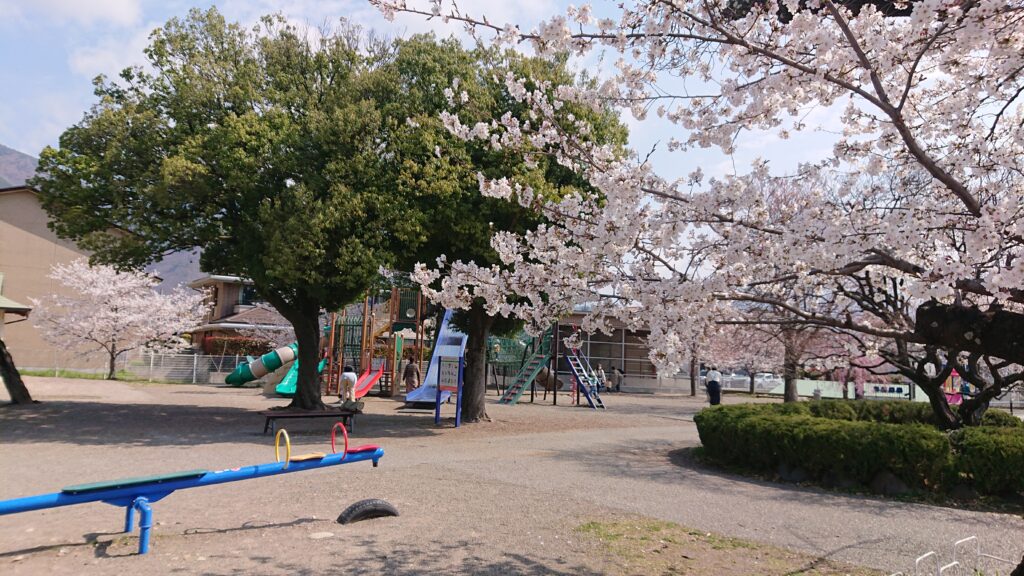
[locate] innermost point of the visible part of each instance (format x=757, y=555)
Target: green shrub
x=833, y=410
x=761, y=438
x=993, y=457
x=996, y=417
x=894, y=412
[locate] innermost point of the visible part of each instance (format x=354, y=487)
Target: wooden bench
x=347, y=417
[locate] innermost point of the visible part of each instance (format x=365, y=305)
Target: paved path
x=503, y=489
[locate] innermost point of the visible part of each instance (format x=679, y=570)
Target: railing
x=967, y=558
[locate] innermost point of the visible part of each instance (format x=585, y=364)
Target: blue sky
x=52, y=49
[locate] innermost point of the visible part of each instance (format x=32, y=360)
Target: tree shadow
x=103, y=424
x=414, y=558
x=666, y=463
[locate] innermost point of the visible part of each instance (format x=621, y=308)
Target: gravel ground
x=496, y=498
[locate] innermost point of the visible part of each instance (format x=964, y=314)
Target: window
x=248, y=297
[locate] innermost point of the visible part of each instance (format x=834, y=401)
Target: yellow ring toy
x=287, y=447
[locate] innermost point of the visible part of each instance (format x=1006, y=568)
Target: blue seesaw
x=138, y=493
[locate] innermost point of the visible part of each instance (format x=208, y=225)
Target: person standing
x=617, y=375
x=411, y=375
x=602, y=378
x=714, y=386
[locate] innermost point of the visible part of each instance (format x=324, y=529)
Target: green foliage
x=894, y=411
x=762, y=440
x=993, y=458
x=858, y=439
x=290, y=164
x=833, y=410
x=999, y=418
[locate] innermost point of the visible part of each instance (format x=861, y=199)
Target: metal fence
x=177, y=368
x=184, y=368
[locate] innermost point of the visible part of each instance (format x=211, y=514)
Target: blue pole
x=458, y=394
x=145, y=522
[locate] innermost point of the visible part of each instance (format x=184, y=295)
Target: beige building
x=28, y=249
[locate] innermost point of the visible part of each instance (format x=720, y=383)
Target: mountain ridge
x=15, y=167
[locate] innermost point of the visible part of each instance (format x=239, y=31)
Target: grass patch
x=120, y=374
x=648, y=546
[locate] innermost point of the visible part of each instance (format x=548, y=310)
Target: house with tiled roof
x=237, y=316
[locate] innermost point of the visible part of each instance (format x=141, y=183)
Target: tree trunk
x=694, y=373
x=305, y=319
x=474, y=386
x=112, y=366
x=789, y=367
x=947, y=420
x=753, y=390
x=12, y=378
x=307, y=387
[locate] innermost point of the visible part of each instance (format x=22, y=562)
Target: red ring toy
x=344, y=433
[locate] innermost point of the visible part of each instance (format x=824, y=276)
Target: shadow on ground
x=452, y=557
x=99, y=423
x=666, y=463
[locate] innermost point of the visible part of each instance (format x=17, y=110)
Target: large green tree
x=274, y=150
x=460, y=220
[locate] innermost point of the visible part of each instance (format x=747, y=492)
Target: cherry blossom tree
x=745, y=347
x=912, y=228
x=116, y=312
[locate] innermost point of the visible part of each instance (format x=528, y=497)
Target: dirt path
x=541, y=490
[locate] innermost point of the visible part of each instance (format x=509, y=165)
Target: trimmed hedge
x=993, y=458
x=856, y=440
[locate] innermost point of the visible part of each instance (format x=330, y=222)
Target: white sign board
x=448, y=375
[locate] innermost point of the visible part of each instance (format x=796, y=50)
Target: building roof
x=256, y=317
x=8, y=305
x=21, y=188
x=215, y=278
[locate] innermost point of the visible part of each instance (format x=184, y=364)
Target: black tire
x=366, y=509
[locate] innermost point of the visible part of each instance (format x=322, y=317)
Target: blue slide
x=450, y=343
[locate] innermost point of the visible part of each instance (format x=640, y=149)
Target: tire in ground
x=366, y=509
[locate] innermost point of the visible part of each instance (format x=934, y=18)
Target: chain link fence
x=136, y=365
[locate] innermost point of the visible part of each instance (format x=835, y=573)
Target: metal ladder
x=525, y=376
x=585, y=378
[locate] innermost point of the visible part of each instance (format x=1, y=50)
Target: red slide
x=366, y=381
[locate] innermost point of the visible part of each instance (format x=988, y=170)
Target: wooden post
x=362, y=335
x=331, y=360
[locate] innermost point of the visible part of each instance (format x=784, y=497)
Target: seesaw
x=138, y=493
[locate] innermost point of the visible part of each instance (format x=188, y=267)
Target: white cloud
x=84, y=12
x=111, y=54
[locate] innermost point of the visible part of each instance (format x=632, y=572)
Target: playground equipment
x=450, y=343
x=587, y=382
x=527, y=375
x=373, y=342
x=376, y=339
x=255, y=369
x=952, y=388
x=287, y=385
x=139, y=493
x=449, y=379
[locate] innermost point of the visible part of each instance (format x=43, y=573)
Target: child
x=348, y=384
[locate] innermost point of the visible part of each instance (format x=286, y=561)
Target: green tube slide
x=249, y=371
x=287, y=385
